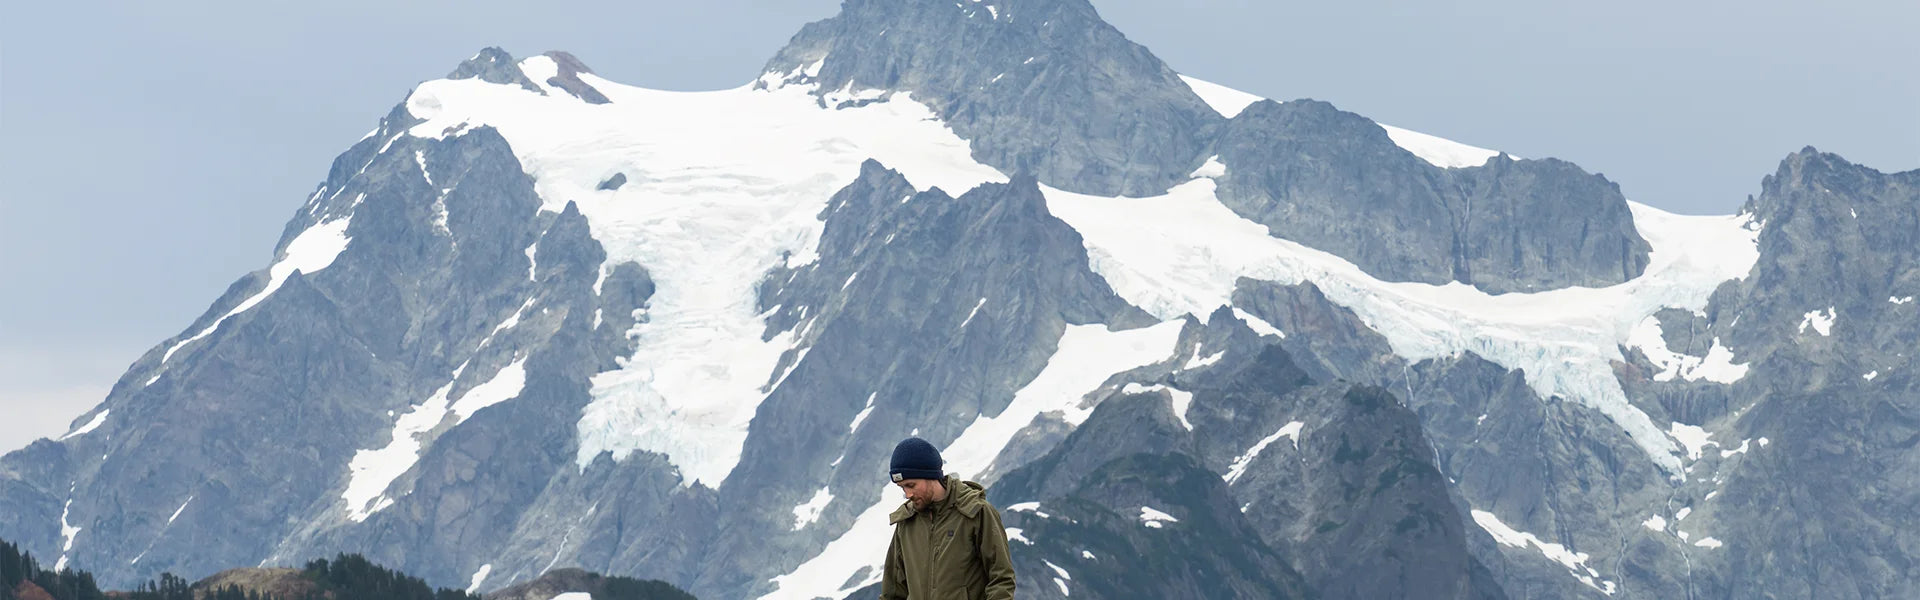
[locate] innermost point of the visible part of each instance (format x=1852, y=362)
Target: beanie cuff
x=905, y=474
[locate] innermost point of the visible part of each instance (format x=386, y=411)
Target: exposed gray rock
x=1093, y=494
x=34, y=482
x=1501, y=448
x=1343, y=481
x=1685, y=332
x=1333, y=180
x=569, y=78
x=494, y=65
x=1825, y=508
x=1040, y=87
x=922, y=306
x=247, y=422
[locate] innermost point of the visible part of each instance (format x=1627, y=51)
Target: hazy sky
x=150, y=153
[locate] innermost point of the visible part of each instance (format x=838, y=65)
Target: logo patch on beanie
x=897, y=478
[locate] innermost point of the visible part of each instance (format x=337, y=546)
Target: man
x=947, y=540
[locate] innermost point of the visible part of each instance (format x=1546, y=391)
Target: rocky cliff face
x=1037, y=86
x=1335, y=181
x=1817, y=445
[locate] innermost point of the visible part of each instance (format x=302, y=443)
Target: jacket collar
x=964, y=496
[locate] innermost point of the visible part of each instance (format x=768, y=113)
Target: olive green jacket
x=954, y=549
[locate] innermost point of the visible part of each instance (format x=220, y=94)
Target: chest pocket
x=954, y=536
x=943, y=538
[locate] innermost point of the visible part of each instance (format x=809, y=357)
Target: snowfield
x=721, y=185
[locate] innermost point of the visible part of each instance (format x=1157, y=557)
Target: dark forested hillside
x=345, y=577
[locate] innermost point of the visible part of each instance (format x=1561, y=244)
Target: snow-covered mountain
x=1198, y=343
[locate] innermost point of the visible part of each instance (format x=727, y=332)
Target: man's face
x=919, y=491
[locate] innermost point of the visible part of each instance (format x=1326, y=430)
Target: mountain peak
x=555, y=70
x=941, y=38
x=1809, y=169
x=494, y=65
x=1812, y=182
x=569, y=64
x=567, y=70
x=998, y=71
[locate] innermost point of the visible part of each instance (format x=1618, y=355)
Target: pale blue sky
x=151, y=152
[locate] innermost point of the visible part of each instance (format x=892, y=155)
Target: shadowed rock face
x=1827, y=508
x=494, y=65
x=1351, y=490
x=1333, y=180
x=921, y=305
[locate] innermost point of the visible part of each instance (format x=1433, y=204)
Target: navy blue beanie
x=914, y=458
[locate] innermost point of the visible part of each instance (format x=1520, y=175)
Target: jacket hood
x=968, y=497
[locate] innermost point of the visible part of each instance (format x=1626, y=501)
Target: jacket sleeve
x=993, y=555
x=893, y=579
